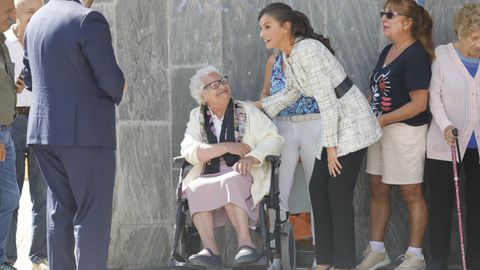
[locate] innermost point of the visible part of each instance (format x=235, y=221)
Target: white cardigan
x=454, y=100
x=260, y=134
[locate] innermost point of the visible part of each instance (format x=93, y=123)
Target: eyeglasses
x=390, y=14
x=216, y=84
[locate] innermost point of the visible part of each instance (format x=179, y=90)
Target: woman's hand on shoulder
x=245, y=164
x=237, y=148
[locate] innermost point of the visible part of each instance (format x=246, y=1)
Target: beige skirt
x=399, y=155
x=213, y=191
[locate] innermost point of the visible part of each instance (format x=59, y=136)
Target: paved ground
x=24, y=232
x=24, y=235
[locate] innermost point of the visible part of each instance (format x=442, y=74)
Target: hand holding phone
x=20, y=84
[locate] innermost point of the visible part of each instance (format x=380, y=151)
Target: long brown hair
x=301, y=27
x=422, y=23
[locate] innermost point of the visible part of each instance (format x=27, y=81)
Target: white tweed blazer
x=348, y=122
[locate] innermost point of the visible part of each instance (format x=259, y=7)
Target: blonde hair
x=467, y=20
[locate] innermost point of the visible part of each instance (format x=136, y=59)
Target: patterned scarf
x=233, y=128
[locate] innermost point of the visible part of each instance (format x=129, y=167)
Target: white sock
x=377, y=246
x=416, y=251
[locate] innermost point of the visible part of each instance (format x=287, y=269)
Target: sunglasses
x=216, y=84
x=390, y=14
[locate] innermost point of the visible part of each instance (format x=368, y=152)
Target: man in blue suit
x=71, y=67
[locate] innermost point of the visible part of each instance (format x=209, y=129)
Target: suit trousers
x=442, y=206
x=79, y=204
x=332, y=205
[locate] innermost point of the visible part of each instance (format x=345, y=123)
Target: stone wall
x=160, y=43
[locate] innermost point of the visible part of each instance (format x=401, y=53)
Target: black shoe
x=249, y=255
x=211, y=261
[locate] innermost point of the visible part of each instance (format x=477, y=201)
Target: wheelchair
x=186, y=240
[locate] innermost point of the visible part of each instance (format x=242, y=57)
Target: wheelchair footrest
x=176, y=264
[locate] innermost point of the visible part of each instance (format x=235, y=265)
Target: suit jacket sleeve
x=96, y=43
x=27, y=76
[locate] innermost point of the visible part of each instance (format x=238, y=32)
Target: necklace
x=391, y=56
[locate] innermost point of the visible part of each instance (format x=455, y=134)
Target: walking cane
x=457, y=195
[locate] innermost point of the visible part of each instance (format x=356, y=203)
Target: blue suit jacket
x=76, y=82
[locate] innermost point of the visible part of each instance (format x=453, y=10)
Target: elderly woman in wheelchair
x=226, y=141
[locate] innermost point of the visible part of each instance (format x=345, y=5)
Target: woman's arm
x=268, y=73
x=273, y=104
x=321, y=67
x=418, y=104
x=437, y=106
x=206, y=152
x=195, y=151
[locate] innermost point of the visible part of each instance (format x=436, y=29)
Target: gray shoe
x=245, y=255
x=373, y=259
x=211, y=261
x=411, y=261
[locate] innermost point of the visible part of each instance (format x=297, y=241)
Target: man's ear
x=88, y=3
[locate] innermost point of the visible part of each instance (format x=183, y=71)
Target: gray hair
x=196, y=84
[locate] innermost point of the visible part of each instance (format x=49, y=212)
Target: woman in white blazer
x=227, y=142
x=349, y=127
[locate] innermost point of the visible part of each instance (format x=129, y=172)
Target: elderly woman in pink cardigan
x=455, y=103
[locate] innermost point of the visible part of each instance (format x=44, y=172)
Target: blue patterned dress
x=303, y=105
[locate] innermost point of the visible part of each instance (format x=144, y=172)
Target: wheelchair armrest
x=181, y=160
x=275, y=160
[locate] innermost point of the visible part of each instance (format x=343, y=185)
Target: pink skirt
x=212, y=192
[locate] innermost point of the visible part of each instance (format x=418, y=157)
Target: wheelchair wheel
x=287, y=240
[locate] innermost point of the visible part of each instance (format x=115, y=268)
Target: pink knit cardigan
x=454, y=100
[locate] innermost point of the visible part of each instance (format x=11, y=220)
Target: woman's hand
x=245, y=164
x=237, y=148
x=258, y=104
x=381, y=121
x=448, y=135
x=334, y=166
x=20, y=85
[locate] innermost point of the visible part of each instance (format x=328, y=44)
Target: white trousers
x=301, y=140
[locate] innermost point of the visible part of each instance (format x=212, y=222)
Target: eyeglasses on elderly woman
x=216, y=84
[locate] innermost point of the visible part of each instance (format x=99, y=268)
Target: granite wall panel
x=144, y=184
x=195, y=32
x=182, y=103
x=142, y=51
